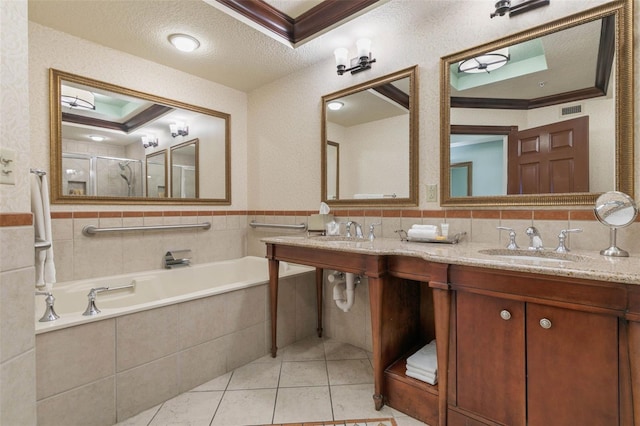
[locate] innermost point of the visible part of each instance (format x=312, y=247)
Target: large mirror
x=543, y=117
x=109, y=145
x=369, y=143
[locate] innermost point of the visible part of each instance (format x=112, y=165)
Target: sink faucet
x=512, y=237
x=358, y=228
x=372, y=227
x=535, y=240
x=562, y=248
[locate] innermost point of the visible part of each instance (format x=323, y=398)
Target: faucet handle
x=371, y=230
x=562, y=248
x=512, y=237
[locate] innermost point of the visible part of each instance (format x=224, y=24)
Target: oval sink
x=532, y=255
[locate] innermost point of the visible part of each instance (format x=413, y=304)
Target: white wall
x=285, y=141
x=53, y=49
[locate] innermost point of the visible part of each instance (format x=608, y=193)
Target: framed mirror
x=546, y=115
x=109, y=145
x=156, y=167
x=369, y=143
x=185, y=170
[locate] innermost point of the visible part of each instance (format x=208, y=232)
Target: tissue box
x=317, y=222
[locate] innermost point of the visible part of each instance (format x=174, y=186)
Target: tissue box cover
x=317, y=221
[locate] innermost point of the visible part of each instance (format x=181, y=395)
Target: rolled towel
x=427, y=227
x=432, y=380
x=425, y=358
x=422, y=233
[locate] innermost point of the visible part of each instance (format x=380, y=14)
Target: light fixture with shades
x=358, y=64
x=149, y=141
x=335, y=105
x=179, y=129
x=77, y=98
x=486, y=62
x=183, y=42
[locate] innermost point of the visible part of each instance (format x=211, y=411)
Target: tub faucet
x=92, y=309
x=358, y=228
x=49, y=313
x=177, y=258
x=535, y=240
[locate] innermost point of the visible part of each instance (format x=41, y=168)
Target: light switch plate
x=7, y=166
x=432, y=193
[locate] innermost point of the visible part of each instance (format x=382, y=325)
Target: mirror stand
x=613, y=250
x=615, y=210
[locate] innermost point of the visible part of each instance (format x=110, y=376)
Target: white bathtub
x=155, y=288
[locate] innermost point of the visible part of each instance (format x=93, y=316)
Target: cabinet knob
x=545, y=323
x=505, y=315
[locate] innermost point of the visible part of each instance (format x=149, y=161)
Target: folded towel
x=418, y=370
x=44, y=264
x=422, y=233
x=426, y=358
x=432, y=380
x=427, y=227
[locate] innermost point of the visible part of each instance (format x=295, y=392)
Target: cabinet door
x=572, y=367
x=490, y=357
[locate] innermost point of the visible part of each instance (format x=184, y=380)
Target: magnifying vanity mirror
x=111, y=145
x=615, y=210
x=542, y=117
x=370, y=143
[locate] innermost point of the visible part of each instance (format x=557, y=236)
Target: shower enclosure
x=103, y=176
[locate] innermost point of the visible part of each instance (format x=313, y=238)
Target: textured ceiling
x=230, y=53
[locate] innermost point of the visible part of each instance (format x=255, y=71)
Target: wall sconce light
x=179, y=129
x=358, y=64
x=77, y=98
x=486, y=62
x=504, y=6
x=149, y=141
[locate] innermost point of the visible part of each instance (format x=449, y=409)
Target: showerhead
x=123, y=164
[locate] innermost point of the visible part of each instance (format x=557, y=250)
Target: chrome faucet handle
x=49, y=313
x=562, y=248
x=535, y=240
x=512, y=237
x=372, y=226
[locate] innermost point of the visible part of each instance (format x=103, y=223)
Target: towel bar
x=255, y=224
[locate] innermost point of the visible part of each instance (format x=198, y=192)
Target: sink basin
x=532, y=255
x=339, y=239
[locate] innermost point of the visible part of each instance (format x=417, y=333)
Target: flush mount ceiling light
x=335, y=105
x=358, y=64
x=77, y=98
x=96, y=138
x=486, y=62
x=183, y=42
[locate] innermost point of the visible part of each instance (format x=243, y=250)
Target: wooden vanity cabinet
x=532, y=354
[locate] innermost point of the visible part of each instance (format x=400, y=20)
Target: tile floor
x=311, y=380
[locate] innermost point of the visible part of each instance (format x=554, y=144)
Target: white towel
x=422, y=233
x=426, y=358
x=432, y=380
x=45, y=267
x=422, y=371
x=427, y=227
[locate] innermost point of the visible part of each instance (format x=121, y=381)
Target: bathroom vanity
x=519, y=341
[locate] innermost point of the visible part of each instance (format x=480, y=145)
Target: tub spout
x=177, y=258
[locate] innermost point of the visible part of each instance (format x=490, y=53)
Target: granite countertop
x=576, y=264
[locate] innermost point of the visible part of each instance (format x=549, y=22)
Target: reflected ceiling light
x=183, y=42
x=335, y=105
x=149, y=141
x=77, y=98
x=96, y=138
x=486, y=62
x=179, y=129
x=358, y=64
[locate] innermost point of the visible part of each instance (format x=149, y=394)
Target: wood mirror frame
x=624, y=109
x=56, y=78
x=412, y=198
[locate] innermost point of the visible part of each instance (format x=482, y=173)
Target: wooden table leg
x=442, y=308
x=274, y=266
x=375, y=301
x=319, y=280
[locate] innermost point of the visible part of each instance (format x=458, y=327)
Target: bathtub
x=156, y=288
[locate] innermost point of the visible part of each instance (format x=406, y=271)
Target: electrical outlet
x=7, y=166
x=432, y=193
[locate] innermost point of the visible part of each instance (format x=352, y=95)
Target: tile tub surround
x=113, y=369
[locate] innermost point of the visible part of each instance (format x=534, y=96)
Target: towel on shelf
x=422, y=371
x=425, y=358
x=40, y=207
x=422, y=233
x=431, y=379
x=427, y=227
